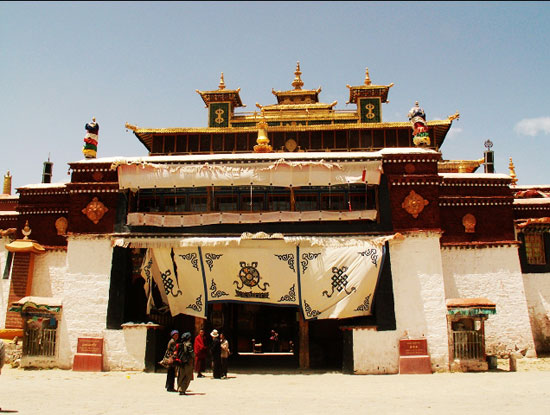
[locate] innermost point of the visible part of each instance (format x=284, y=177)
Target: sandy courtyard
x=497, y=392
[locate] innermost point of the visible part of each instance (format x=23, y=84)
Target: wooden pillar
x=199, y=324
x=304, y=342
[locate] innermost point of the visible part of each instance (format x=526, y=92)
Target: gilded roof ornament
x=367, y=77
x=512, y=170
x=297, y=83
x=130, y=126
x=368, y=90
x=455, y=116
x=262, y=140
x=222, y=83
x=26, y=231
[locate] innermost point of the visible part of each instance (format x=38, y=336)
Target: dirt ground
x=245, y=393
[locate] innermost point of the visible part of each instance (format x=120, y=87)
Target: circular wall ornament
x=414, y=204
x=95, y=210
x=290, y=145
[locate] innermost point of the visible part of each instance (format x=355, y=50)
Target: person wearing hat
x=184, y=358
x=216, y=350
x=171, y=370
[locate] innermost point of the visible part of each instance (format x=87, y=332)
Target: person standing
x=184, y=358
x=215, y=350
x=200, y=353
x=171, y=370
x=274, y=339
x=225, y=352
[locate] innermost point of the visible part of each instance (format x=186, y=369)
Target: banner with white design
x=326, y=280
x=338, y=282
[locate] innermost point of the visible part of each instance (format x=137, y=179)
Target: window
x=279, y=202
x=174, y=204
x=198, y=204
x=227, y=203
x=148, y=203
x=7, y=269
x=333, y=201
x=257, y=203
x=306, y=202
x=534, y=249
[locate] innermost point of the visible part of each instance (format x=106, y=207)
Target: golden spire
x=222, y=83
x=7, y=183
x=297, y=83
x=367, y=77
x=512, y=172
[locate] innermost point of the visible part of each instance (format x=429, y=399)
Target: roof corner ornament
x=297, y=83
x=221, y=86
x=90, y=139
x=417, y=117
x=455, y=116
x=129, y=126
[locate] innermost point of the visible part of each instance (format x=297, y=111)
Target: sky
x=62, y=63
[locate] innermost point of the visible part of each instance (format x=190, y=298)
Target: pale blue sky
x=63, y=62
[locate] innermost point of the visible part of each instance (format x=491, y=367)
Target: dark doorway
x=248, y=329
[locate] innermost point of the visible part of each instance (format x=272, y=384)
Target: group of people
x=182, y=357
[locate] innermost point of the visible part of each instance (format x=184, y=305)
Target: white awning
x=160, y=220
x=281, y=172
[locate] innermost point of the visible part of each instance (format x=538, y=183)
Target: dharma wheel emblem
x=95, y=210
x=414, y=204
x=249, y=276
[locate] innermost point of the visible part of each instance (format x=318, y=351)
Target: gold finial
x=512, y=171
x=222, y=83
x=367, y=77
x=297, y=83
x=262, y=140
x=7, y=183
x=26, y=231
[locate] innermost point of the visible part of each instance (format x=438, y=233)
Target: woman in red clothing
x=201, y=351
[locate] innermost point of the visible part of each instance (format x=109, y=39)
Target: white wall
x=493, y=273
x=537, y=293
x=419, y=307
x=80, y=277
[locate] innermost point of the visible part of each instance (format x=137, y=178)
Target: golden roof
x=297, y=95
x=222, y=95
x=458, y=166
x=368, y=90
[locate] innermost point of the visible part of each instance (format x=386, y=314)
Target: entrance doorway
x=248, y=327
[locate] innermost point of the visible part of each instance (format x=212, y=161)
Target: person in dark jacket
x=216, y=350
x=171, y=371
x=184, y=359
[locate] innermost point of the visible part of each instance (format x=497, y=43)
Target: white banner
x=327, y=280
x=338, y=282
x=281, y=172
x=255, y=271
